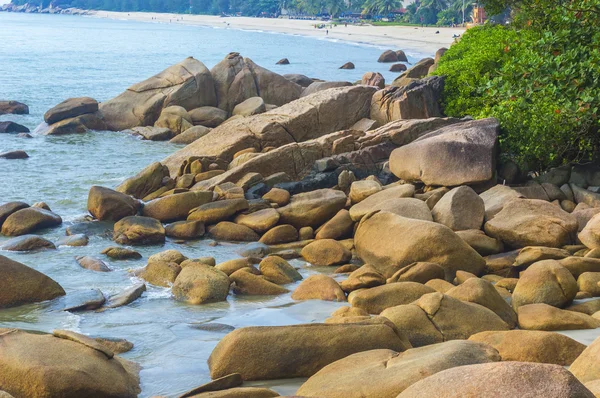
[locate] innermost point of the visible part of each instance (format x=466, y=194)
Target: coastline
x=417, y=39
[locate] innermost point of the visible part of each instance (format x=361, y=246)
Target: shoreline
x=417, y=39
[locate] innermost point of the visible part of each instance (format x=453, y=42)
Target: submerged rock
x=25, y=243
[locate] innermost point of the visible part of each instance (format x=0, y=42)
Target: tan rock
x=277, y=270
x=358, y=211
x=221, y=210
x=246, y=283
x=199, y=284
x=319, y=287
x=106, y=204
x=363, y=278
x=419, y=272
x=326, y=252
x=280, y=234
x=279, y=196
x=545, y=282
x=137, y=230
x=232, y=232
x=546, y=317
x=312, y=209
x=177, y=206
x=260, y=221
x=460, y=209
x=377, y=299
x=340, y=226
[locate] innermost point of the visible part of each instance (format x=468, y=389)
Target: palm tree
x=381, y=7
x=437, y=5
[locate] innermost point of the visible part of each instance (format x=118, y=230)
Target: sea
x=45, y=59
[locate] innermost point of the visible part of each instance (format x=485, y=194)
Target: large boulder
x=29, y=220
x=460, y=209
x=545, y=282
x=385, y=373
x=319, y=287
x=590, y=234
x=199, y=284
x=106, y=204
x=326, y=252
x=20, y=284
x=188, y=84
x=301, y=120
x=500, y=380
x=70, y=108
x=532, y=346
x=145, y=182
x=272, y=352
x=377, y=299
x=74, y=125
x=137, y=230
x=389, y=242
x=312, y=209
x=532, y=222
x=587, y=366
x=459, y=154
x=70, y=366
x=208, y=116
x=495, y=198
x=177, y=206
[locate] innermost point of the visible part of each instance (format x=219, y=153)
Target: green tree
x=381, y=7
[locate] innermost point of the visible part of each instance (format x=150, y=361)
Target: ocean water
x=45, y=59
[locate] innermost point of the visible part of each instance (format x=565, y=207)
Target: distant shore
x=417, y=39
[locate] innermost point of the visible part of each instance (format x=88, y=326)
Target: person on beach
x=327, y=32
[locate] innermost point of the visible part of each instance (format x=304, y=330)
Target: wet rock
x=106, y=204
x=160, y=273
x=118, y=346
x=93, y=264
x=12, y=127
x=14, y=155
x=230, y=266
x=137, y=230
x=326, y=252
x=121, y=253
x=546, y=317
x=377, y=299
x=151, y=133
x=76, y=240
x=275, y=346
x=390, y=242
x=75, y=125
x=501, y=379
x=20, y=284
x=386, y=373
x=25, y=243
x=13, y=107
x=29, y=220
x=255, y=249
x=84, y=300
x=126, y=297
x=187, y=230
x=246, y=283
x=70, y=108
x=545, y=282
x=9, y=208
x=199, y=284
x=145, y=182
x=277, y=270
x=82, y=339
x=347, y=65
x=60, y=367
x=532, y=346
x=319, y=287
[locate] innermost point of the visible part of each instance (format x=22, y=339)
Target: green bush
x=541, y=81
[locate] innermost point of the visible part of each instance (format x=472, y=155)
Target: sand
x=422, y=40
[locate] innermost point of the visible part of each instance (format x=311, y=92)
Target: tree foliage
x=540, y=77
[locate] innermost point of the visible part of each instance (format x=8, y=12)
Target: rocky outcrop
x=188, y=84
x=460, y=154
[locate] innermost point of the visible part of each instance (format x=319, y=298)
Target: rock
x=312, y=209
x=151, y=133
x=177, y=206
x=326, y=252
x=301, y=80
x=364, y=277
x=118, y=346
x=280, y=234
x=30, y=219
x=145, y=182
x=12, y=127
x=388, y=56
x=259, y=353
x=585, y=367
x=532, y=254
x=546, y=317
x=398, y=68
x=496, y=197
x=436, y=317
x=25, y=243
x=13, y=107
x=121, y=253
x=277, y=270
x=420, y=272
x=240, y=392
x=60, y=367
x=579, y=265
x=417, y=71
x=482, y=292
x=360, y=190
x=126, y=297
x=221, y=210
x=347, y=65
x=246, y=283
x=255, y=249
x=249, y=107
x=222, y=383
x=532, y=346
x=174, y=118
x=93, y=264
x=70, y=108
x=315, y=87
x=23, y=285
x=502, y=379
x=208, y=116
x=390, y=242
x=531, y=222
x=483, y=244
x=190, y=135
x=186, y=230
x=385, y=373
x=137, y=230
x=590, y=234
x=229, y=231
x=260, y=221
x=545, y=282
x=319, y=287
x=283, y=61
x=340, y=226
x=85, y=300
x=200, y=284
x=106, y=204
x=460, y=209
x=9, y=208
x=374, y=79
x=373, y=202
x=75, y=125
x=589, y=282
x=160, y=273
x=377, y=299
x=73, y=240
x=14, y=155
x=405, y=207
x=281, y=197
x=188, y=84
x=230, y=266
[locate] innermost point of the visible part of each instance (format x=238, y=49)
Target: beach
x=424, y=40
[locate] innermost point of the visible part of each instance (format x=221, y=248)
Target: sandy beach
x=422, y=40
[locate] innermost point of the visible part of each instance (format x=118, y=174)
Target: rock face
x=389, y=242
x=307, y=118
x=20, y=284
x=459, y=154
x=545, y=282
x=500, y=380
x=418, y=100
x=188, y=84
x=13, y=107
x=532, y=222
x=137, y=230
x=29, y=220
x=106, y=204
x=385, y=373
x=70, y=108
x=532, y=346
x=268, y=352
x=199, y=284
x=41, y=365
